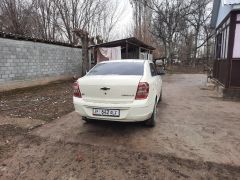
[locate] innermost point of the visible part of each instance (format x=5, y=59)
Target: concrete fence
x=22, y=61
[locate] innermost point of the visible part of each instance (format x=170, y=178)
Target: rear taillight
x=142, y=91
x=76, y=90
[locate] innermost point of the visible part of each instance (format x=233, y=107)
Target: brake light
x=142, y=91
x=76, y=90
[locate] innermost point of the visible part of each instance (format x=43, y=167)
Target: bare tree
x=45, y=19
x=16, y=16
x=143, y=15
x=177, y=24
x=78, y=14
x=56, y=19
x=169, y=23
x=198, y=20
x=111, y=16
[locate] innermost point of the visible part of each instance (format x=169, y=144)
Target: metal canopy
x=123, y=42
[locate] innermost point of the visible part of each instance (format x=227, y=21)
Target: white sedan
x=119, y=90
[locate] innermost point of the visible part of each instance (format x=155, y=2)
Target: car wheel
x=152, y=121
x=160, y=98
x=86, y=119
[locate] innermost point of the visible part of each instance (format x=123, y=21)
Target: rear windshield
x=118, y=68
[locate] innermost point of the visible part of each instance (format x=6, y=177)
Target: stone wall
x=26, y=60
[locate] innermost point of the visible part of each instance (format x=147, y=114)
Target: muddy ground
x=43, y=102
x=197, y=137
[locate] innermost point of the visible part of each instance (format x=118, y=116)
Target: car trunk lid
x=109, y=89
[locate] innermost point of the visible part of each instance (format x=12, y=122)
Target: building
x=226, y=22
x=129, y=48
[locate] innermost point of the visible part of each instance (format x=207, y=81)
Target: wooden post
x=139, y=53
x=232, y=28
x=95, y=56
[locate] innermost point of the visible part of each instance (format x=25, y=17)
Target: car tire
x=160, y=98
x=151, y=122
x=86, y=119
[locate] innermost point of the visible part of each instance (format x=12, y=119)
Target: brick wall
x=25, y=60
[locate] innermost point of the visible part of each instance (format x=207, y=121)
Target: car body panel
x=117, y=92
x=118, y=89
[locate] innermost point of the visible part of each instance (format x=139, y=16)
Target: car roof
x=126, y=60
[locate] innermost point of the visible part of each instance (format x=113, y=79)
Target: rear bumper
x=134, y=112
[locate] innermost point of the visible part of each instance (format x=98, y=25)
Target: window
x=228, y=21
x=227, y=39
x=238, y=17
x=236, y=48
x=222, y=43
x=118, y=68
x=219, y=45
x=153, y=69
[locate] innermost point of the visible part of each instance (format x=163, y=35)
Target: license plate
x=106, y=112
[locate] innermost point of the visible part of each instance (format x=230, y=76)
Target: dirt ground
x=43, y=102
x=197, y=137
x=179, y=69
